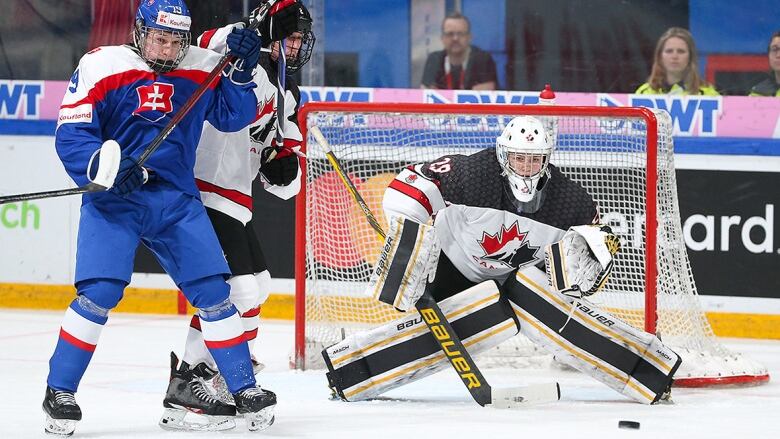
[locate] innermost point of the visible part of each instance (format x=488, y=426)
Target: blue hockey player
x=127, y=94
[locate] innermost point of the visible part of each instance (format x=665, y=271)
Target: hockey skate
x=187, y=397
x=62, y=412
x=219, y=386
x=257, y=406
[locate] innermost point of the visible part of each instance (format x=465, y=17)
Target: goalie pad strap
x=400, y=259
x=556, y=267
x=370, y=363
x=624, y=358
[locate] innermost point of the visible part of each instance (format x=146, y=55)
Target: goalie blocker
x=624, y=358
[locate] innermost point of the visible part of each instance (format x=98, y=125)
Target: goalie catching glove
x=406, y=264
x=580, y=263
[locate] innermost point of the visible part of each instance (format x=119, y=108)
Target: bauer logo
x=20, y=99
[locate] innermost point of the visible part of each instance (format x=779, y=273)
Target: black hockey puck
x=630, y=425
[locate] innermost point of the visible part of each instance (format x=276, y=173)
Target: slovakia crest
x=154, y=101
x=508, y=247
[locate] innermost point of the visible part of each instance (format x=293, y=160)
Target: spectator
x=460, y=65
x=771, y=85
x=675, y=67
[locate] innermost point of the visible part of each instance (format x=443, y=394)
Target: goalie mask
x=524, y=149
x=161, y=33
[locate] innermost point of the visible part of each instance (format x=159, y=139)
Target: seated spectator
x=676, y=67
x=460, y=65
x=771, y=85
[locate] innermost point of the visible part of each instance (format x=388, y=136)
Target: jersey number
x=441, y=166
x=75, y=81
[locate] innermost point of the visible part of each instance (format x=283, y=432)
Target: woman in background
x=675, y=67
x=771, y=85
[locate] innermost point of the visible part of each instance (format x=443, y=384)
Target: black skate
x=220, y=388
x=62, y=412
x=188, y=395
x=257, y=406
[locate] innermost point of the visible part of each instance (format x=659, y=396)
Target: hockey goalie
x=506, y=244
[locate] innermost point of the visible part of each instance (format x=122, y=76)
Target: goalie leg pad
x=631, y=361
x=406, y=263
x=370, y=363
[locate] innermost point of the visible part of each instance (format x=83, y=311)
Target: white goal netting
x=619, y=155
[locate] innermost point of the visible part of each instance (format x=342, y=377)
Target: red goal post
x=369, y=134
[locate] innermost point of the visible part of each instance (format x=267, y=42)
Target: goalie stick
x=161, y=136
x=441, y=329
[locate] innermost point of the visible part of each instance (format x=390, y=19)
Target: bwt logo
x=484, y=97
x=691, y=115
x=20, y=99
x=336, y=94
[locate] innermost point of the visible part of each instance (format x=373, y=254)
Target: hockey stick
x=161, y=136
x=108, y=166
x=441, y=329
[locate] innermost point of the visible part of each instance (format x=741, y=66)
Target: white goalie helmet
x=524, y=149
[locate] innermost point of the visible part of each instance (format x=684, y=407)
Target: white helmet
x=524, y=149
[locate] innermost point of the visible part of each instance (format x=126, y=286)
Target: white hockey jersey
x=227, y=163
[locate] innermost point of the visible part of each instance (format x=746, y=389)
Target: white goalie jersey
x=227, y=163
x=478, y=224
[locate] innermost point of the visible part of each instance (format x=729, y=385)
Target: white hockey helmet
x=524, y=149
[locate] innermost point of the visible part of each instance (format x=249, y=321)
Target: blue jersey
x=113, y=94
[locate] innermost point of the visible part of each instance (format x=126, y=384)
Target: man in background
x=460, y=66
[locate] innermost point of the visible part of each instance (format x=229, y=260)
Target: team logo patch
x=411, y=178
x=508, y=247
x=259, y=132
x=154, y=101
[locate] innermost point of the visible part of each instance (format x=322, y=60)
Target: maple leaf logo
x=268, y=107
x=508, y=246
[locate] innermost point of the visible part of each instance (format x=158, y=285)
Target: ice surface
x=122, y=391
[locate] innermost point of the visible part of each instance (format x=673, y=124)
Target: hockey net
x=622, y=156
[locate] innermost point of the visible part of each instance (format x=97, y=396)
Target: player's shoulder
x=108, y=60
x=198, y=58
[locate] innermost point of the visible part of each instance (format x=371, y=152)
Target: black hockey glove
x=281, y=21
x=245, y=45
x=282, y=169
x=129, y=177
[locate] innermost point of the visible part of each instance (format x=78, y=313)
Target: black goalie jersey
x=479, y=224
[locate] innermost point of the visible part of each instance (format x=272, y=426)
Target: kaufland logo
x=175, y=21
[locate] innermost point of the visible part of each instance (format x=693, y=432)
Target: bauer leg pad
x=630, y=361
x=370, y=363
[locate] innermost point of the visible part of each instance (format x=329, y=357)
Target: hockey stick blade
x=516, y=397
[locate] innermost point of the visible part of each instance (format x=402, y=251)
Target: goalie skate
x=257, y=406
x=62, y=412
x=188, y=403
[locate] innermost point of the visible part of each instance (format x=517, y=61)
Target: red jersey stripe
x=412, y=192
x=229, y=343
x=231, y=194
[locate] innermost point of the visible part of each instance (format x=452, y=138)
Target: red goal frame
x=651, y=221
